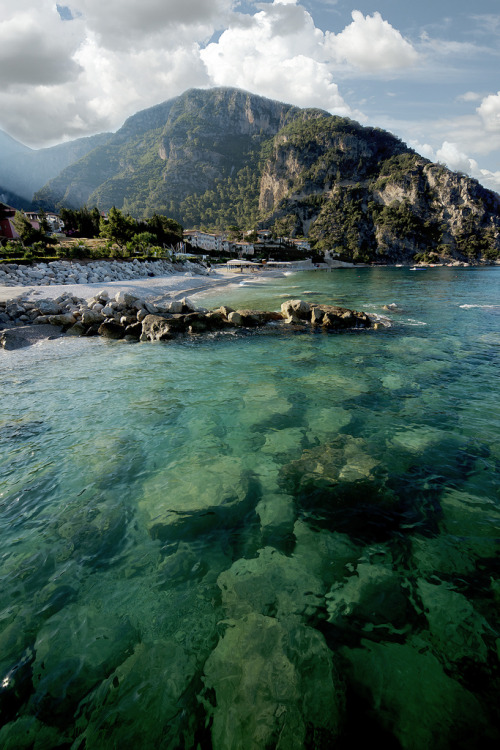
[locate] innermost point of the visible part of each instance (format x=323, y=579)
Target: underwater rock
x=284, y=442
x=94, y=530
x=474, y=519
x=271, y=584
x=456, y=629
x=341, y=460
x=75, y=649
x=371, y=600
x=191, y=562
x=411, y=696
x=417, y=439
x=28, y=733
x=444, y=554
x=140, y=704
x=196, y=495
x=263, y=403
x=324, y=553
x=274, y=687
x=358, y=463
x=319, y=466
x=16, y=686
x=339, y=491
x=327, y=422
x=276, y=513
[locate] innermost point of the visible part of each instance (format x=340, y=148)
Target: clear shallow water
x=260, y=540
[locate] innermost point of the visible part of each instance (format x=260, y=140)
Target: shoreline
x=173, y=286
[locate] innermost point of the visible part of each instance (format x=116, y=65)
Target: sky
x=427, y=70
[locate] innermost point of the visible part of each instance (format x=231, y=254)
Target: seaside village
x=235, y=249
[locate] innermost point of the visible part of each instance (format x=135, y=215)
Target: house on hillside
x=56, y=224
x=216, y=243
x=264, y=234
x=244, y=248
x=7, y=229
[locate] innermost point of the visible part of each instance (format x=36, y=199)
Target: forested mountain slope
x=222, y=156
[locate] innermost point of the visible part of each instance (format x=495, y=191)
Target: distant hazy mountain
x=222, y=156
x=24, y=170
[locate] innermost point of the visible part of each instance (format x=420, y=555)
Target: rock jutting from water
x=130, y=318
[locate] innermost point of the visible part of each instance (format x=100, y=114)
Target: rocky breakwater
x=130, y=318
x=94, y=272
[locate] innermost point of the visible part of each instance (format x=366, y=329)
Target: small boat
x=419, y=268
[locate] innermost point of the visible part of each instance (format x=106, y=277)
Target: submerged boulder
x=414, y=699
x=371, y=600
x=76, y=649
x=195, y=496
x=274, y=685
x=271, y=584
x=138, y=705
x=457, y=631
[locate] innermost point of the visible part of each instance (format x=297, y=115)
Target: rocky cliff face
x=165, y=154
x=362, y=193
x=222, y=156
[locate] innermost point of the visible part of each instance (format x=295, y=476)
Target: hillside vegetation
x=223, y=157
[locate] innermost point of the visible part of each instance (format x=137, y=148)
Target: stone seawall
x=94, y=272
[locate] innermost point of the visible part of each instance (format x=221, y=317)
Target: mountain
x=222, y=156
x=23, y=170
x=162, y=157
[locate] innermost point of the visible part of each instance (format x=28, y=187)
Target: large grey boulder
x=296, y=310
x=17, y=338
x=92, y=316
x=156, y=328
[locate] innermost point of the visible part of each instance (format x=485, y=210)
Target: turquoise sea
x=263, y=539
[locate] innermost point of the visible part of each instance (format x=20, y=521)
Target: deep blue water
x=259, y=540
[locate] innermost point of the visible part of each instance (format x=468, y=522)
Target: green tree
x=118, y=227
x=25, y=229
x=43, y=223
x=167, y=231
x=142, y=243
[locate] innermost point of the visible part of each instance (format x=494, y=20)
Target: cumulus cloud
x=278, y=54
x=33, y=49
x=372, y=44
x=451, y=155
x=93, y=63
x=489, y=112
x=116, y=21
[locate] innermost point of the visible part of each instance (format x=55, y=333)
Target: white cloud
x=127, y=21
x=372, y=44
x=33, y=49
x=279, y=54
x=455, y=159
x=469, y=96
x=450, y=154
x=489, y=112
x=105, y=60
